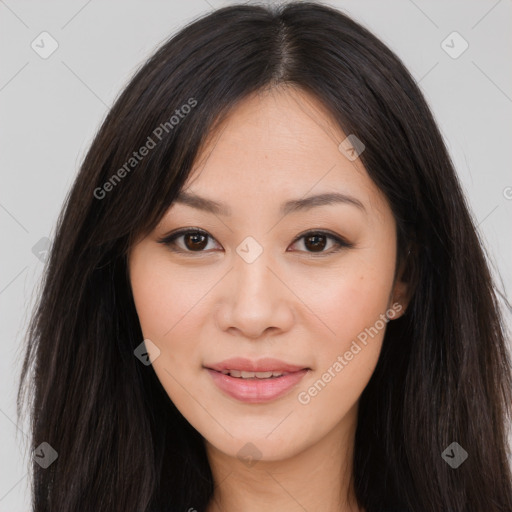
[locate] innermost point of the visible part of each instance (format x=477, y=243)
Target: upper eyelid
x=184, y=231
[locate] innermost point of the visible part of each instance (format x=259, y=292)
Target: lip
x=266, y=364
x=256, y=390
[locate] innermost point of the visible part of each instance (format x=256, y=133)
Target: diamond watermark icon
x=351, y=147
x=249, y=454
x=45, y=455
x=40, y=249
x=44, y=45
x=454, y=455
x=147, y=352
x=249, y=249
x=454, y=45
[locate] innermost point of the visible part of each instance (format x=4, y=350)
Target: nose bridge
x=253, y=278
x=257, y=300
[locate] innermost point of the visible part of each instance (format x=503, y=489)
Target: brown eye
x=195, y=241
x=318, y=241
x=188, y=241
x=315, y=243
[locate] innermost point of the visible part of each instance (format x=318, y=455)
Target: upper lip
x=266, y=364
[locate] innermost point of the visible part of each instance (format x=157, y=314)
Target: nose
x=255, y=300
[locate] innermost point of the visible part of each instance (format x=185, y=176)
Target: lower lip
x=256, y=391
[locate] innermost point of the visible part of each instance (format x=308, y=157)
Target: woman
x=266, y=290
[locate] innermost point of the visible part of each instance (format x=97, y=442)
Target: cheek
x=163, y=297
x=351, y=299
x=152, y=297
x=170, y=324
x=351, y=304
x=345, y=360
x=170, y=305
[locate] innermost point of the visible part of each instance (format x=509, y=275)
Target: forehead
x=274, y=145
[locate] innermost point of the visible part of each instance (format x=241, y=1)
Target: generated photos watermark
x=342, y=361
x=151, y=142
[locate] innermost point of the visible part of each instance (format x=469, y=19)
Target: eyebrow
x=211, y=206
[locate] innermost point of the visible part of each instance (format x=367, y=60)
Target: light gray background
x=50, y=109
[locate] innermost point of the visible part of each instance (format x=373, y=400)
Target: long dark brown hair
x=444, y=373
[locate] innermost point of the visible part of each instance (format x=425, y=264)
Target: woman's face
x=266, y=277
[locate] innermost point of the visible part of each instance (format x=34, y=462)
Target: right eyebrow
x=202, y=203
x=320, y=200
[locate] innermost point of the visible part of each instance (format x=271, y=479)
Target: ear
x=402, y=288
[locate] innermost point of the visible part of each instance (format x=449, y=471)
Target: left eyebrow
x=320, y=200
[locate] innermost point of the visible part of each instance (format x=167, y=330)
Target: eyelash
x=169, y=241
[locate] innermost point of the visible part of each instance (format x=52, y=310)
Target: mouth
x=256, y=387
x=238, y=374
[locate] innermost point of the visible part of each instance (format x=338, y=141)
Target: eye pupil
x=199, y=241
x=317, y=246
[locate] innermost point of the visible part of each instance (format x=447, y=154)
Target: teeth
x=252, y=375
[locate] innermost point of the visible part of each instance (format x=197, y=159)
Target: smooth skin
x=303, y=301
